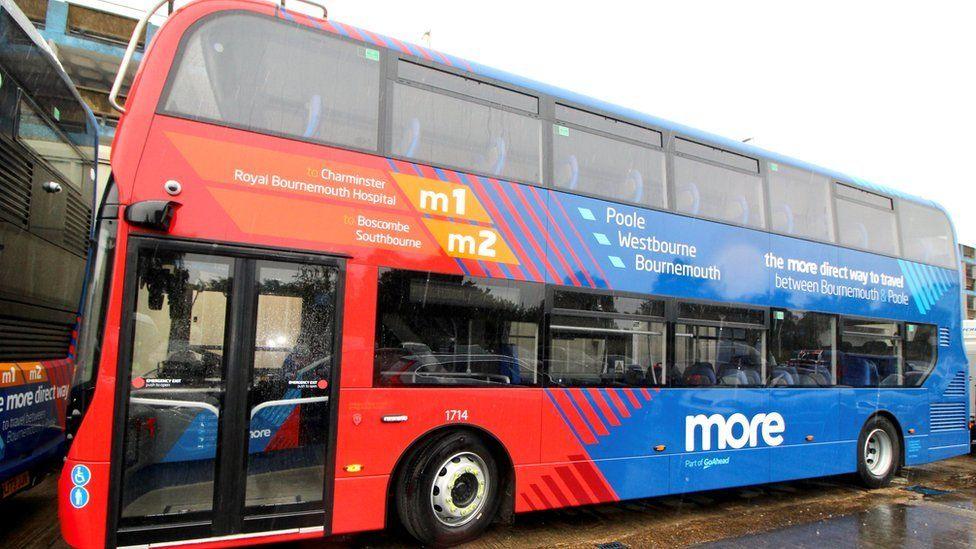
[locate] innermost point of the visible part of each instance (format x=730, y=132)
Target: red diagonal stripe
x=574, y=485
x=604, y=407
x=542, y=497
x=525, y=230
x=621, y=407
x=569, y=221
x=633, y=399
x=556, y=491
x=400, y=45
x=498, y=221
x=575, y=420
x=645, y=393
x=588, y=472
x=562, y=236
x=528, y=501
x=545, y=234
x=588, y=412
x=501, y=225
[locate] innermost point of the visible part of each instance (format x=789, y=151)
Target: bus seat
x=782, y=377
x=700, y=374
x=634, y=376
x=567, y=173
x=633, y=186
x=687, y=199
x=893, y=380
x=858, y=372
x=860, y=236
x=737, y=210
x=733, y=378
x=409, y=139
x=752, y=377
x=783, y=218
x=510, y=368
x=495, y=156
x=314, y=116
x=914, y=378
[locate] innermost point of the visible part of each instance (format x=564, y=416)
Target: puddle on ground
x=895, y=525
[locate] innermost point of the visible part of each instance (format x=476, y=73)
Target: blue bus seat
x=858, y=372
x=635, y=180
x=567, y=173
x=314, y=116
x=409, y=139
x=737, y=210
x=700, y=374
x=687, y=198
x=783, y=218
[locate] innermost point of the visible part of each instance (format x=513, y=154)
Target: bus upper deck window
x=258, y=73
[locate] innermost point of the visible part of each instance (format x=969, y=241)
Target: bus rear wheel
x=878, y=452
x=448, y=492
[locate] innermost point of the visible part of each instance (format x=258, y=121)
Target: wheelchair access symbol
x=80, y=475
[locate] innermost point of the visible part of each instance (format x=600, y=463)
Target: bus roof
x=427, y=54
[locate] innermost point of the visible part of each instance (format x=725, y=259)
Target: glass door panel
x=177, y=385
x=288, y=397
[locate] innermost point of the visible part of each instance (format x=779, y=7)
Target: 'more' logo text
x=736, y=431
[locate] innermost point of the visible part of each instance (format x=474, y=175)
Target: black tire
x=415, y=489
x=878, y=452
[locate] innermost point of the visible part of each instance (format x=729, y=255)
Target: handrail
x=286, y=402
x=325, y=11
x=166, y=403
x=130, y=49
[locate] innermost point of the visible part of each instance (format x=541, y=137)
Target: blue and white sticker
x=80, y=475
x=78, y=496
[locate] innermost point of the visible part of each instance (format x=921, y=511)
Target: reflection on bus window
x=177, y=383
x=870, y=354
x=437, y=128
x=706, y=356
x=866, y=221
x=50, y=144
x=263, y=74
x=596, y=165
x=799, y=203
x=289, y=399
x=714, y=192
x=927, y=235
x=437, y=329
x=921, y=344
x=801, y=348
x=606, y=352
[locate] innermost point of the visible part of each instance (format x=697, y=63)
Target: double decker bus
x=48, y=149
x=356, y=282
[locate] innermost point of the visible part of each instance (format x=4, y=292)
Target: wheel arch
x=506, y=508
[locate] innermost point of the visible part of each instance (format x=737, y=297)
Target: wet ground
x=929, y=506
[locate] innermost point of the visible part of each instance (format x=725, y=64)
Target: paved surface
x=930, y=506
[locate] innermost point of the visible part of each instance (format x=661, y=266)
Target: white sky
x=885, y=91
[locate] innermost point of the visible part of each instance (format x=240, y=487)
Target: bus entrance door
x=230, y=382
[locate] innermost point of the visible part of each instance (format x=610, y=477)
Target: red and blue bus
x=48, y=150
x=355, y=282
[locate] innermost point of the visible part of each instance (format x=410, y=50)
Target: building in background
x=90, y=44
x=968, y=257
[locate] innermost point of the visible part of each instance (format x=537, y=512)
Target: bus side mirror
x=152, y=214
